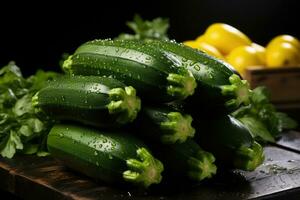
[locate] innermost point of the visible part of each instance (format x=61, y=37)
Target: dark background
x=35, y=35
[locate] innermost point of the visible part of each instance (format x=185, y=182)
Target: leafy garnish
x=261, y=117
x=257, y=128
x=21, y=128
x=144, y=29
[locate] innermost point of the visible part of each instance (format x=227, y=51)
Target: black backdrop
x=36, y=34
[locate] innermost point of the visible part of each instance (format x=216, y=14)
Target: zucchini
x=147, y=69
x=217, y=83
x=186, y=161
x=230, y=142
x=92, y=100
x=165, y=125
x=110, y=157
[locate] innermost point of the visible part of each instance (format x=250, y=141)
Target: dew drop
x=197, y=67
x=184, y=60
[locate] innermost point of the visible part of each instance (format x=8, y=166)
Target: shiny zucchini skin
x=106, y=156
x=185, y=161
x=229, y=141
x=218, y=84
x=164, y=125
x=97, y=101
x=147, y=69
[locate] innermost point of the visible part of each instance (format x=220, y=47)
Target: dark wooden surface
x=44, y=178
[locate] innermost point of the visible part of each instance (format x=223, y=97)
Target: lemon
x=284, y=38
x=200, y=39
x=225, y=37
x=282, y=54
x=210, y=50
x=261, y=52
x=191, y=43
x=207, y=48
x=242, y=57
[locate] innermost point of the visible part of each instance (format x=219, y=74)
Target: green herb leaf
x=285, y=122
x=10, y=144
x=20, y=127
x=144, y=29
x=264, y=121
x=257, y=129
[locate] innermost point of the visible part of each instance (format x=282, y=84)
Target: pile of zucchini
x=142, y=112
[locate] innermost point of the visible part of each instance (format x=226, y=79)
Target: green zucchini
x=92, y=100
x=186, y=161
x=147, y=69
x=164, y=125
x=217, y=83
x=230, y=142
x=110, y=157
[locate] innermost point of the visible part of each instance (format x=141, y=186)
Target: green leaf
x=264, y=114
x=11, y=68
x=144, y=29
x=36, y=125
x=260, y=95
x=25, y=130
x=23, y=106
x=285, y=122
x=256, y=128
x=125, y=36
x=41, y=79
x=10, y=144
x=20, y=127
x=42, y=153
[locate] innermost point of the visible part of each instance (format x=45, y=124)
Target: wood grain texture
x=290, y=141
x=283, y=83
x=30, y=177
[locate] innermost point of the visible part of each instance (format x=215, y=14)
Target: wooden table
x=30, y=177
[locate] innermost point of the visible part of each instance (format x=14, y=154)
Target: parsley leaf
x=144, y=29
x=21, y=129
x=261, y=117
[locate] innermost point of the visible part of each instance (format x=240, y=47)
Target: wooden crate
x=283, y=83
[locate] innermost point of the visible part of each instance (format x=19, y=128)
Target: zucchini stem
x=124, y=102
x=145, y=171
x=248, y=158
x=67, y=65
x=240, y=89
x=178, y=128
x=202, y=166
x=181, y=86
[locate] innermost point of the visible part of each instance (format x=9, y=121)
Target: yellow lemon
x=225, y=37
x=200, y=39
x=191, y=43
x=282, y=54
x=284, y=38
x=261, y=52
x=207, y=48
x=210, y=50
x=242, y=57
